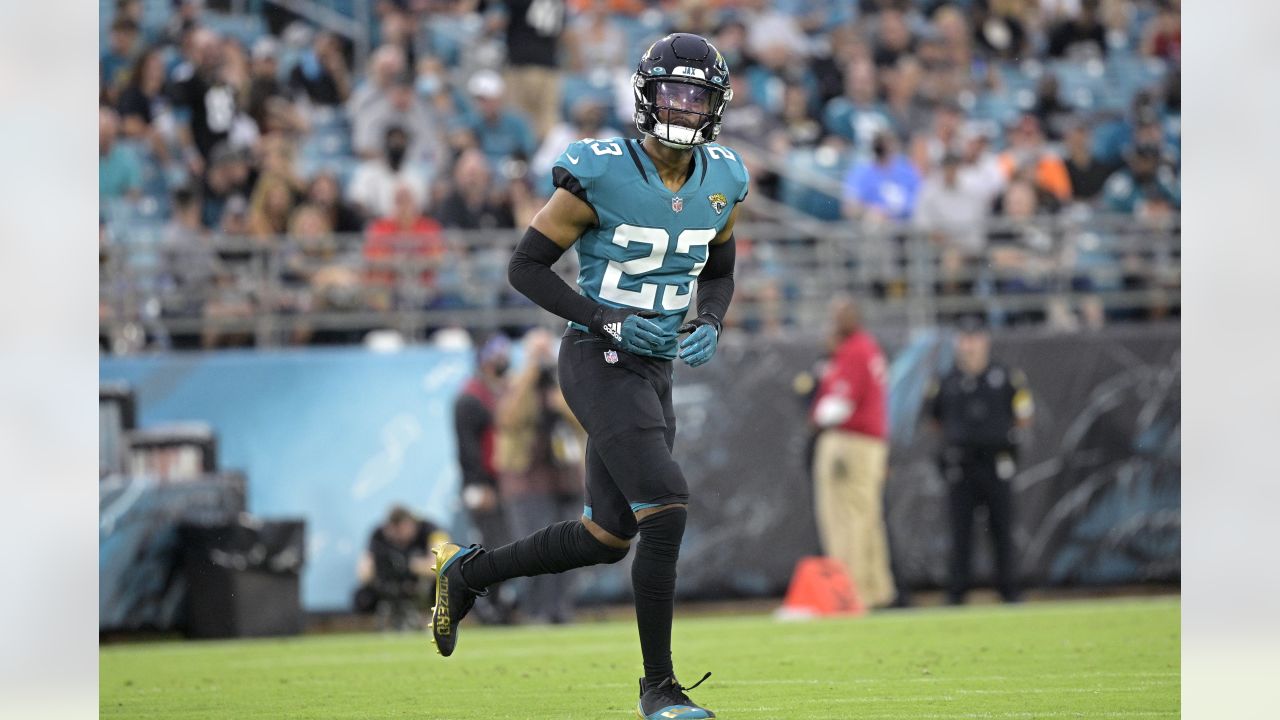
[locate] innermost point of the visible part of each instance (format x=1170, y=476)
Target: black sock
x=553, y=549
x=653, y=577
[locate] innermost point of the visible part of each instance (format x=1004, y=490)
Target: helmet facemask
x=679, y=113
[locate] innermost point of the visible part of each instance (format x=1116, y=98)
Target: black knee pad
x=594, y=550
x=661, y=532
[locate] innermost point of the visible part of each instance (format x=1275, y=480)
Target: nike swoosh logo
x=572, y=159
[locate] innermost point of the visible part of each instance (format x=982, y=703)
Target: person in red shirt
x=851, y=457
x=406, y=237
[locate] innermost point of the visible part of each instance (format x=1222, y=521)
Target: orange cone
x=820, y=587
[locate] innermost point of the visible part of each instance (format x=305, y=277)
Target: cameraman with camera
x=539, y=457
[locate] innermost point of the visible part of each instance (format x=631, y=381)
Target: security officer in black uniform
x=980, y=407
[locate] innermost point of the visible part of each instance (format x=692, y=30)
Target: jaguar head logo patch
x=719, y=202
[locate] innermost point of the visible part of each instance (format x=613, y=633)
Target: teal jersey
x=650, y=242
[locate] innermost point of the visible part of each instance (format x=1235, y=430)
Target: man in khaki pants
x=852, y=455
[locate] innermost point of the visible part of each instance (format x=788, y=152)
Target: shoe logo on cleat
x=442, y=608
x=676, y=712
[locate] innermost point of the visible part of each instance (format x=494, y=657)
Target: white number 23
x=657, y=239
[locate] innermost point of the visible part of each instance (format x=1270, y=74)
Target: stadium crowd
x=968, y=121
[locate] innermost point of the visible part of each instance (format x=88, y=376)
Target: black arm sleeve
x=715, y=282
x=470, y=418
x=530, y=272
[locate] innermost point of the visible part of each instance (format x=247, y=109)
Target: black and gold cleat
x=668, y=699
x=454, y=597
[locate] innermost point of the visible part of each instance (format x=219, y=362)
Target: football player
x=648, y=217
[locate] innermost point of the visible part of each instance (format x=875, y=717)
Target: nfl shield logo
x=611, y=356
x=677, y=204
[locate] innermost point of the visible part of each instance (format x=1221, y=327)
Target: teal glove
x=632, y=330
x=700, y=346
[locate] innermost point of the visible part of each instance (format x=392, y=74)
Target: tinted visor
x=683, y=103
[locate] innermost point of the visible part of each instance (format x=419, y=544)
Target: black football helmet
x=682, y=88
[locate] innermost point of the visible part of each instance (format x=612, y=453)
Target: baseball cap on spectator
x=486, y=84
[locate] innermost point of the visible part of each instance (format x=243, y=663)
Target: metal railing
x=285, y=290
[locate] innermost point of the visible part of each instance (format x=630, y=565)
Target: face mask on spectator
x=428, y=85
x=395, y=156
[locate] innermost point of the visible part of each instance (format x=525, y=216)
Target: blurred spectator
x=533, y=30
x=1150, y=131
x=1163, y=36
x=316, y=277
x=142, y=106
x=386, y=65
x=828, y=68
x=275, y=158
x=191, y=265
x=884, y=189
x=473, y=202
x=1144, y=184
x=113, y=64
x=525, y=203
x=406, y=238
x=375, y=182
x=264, y=80
x=798, y=126
x=183, y=19
x=944, y=133
x=851, y=458
x=893, y=39
x=401, y=108
x=955, y=40
x=227, y=178
x=502, y=132
x=587, y=121
x=539, y=457
x=596, y=42
x=325, y=194
x=979, y=407
x=1021, y=248
x=1029, y=153
x=857, y=115
x=1049, y=109
x=321, y=73
x=473, y=421
x=1088, y=173
x=999, y=28
x=953, y=211
x=119, y=169
x=907, y=109
x=209, y=100
x=397, y=29
x=396, y=571
x=779, y=49
x=270, y=208
x=1082, y=35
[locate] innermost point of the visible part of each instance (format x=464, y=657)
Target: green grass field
x=1094, y=659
